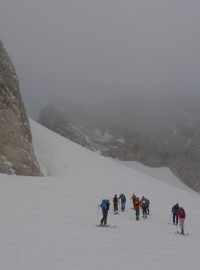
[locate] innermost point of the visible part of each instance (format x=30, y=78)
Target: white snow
x=48, y=223
x=162, y=173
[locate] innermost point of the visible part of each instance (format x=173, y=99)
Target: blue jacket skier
x=105, y=205
x=122, y=197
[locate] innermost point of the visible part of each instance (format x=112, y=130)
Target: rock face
x=171, y=143
x=16, y=150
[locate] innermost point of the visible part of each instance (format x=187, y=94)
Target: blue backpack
x=104, y=204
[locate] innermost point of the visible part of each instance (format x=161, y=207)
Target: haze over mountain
x=170, y=138
x=88, y=52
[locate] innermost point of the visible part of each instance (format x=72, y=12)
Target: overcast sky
x=87, y=51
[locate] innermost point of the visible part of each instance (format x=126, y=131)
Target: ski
x=184, y=234
x=106, y=226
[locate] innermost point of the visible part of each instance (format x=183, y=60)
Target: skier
x=137, y=208
x=115, y=204
x=133, y=198
x=174, y=211
x=122, y=197
x=180, y=215
x=144, y=203
x=105, y=205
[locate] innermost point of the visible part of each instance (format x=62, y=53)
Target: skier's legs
x=174, y=218
x=115, y=207
x=105, y=215
x=181, y=222
x=102, y=220
x=144, y=211
x=137, y=213
x=122, y=206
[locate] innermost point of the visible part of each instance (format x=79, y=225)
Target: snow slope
x=162, y=173
x=49, y=222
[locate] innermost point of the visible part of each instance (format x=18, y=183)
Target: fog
x=126, y=54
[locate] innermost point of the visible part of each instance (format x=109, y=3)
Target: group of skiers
x=142, y=204
x=178, y=213
x=116, y=202
x=138, y=204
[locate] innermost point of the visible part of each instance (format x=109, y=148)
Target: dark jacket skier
x=144, y=204
x=115, y=204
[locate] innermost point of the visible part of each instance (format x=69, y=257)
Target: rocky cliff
x=16, y=150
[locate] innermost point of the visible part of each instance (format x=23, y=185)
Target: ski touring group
x=139, y=205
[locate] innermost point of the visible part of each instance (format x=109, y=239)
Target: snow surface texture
x=48, y=223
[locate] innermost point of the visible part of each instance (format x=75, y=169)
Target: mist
x=114, y=54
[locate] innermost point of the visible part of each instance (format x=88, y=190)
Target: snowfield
x=162, y=173
x=48, y=223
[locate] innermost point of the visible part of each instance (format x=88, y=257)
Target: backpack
x=182, y=212
x=122, y=197
x=137, y=203
x=115, y=200
x=104, y=204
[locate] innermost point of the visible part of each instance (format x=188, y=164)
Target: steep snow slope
x=49, y=222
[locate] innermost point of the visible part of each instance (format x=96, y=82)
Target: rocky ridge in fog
x=16, y=150
x=170, y=142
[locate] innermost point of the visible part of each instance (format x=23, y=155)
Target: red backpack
x=181, y=212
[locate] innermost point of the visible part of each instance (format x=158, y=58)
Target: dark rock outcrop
x=16, y=150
